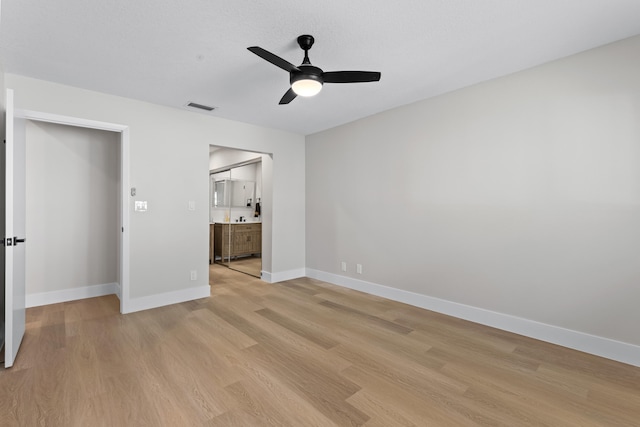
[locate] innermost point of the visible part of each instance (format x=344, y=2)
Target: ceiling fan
x=306, y=79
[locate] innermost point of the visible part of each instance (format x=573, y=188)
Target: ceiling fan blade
x=351, y=76
x=289, y=96
x=274, y=59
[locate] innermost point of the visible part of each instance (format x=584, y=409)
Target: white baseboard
x=168, y=298
x=599, y=346
x=283, y=275
x=55, y=297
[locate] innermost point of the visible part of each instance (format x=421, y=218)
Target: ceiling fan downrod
x=305, y=42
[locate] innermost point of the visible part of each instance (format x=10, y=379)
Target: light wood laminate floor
x=300, y=353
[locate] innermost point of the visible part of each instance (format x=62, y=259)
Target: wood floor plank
x=298, y=353
x=420, y=410
x=323, y=341
x=239, y=418
x=269, y=334
x=256, y=405
x=338, y=327
x=323, y=389
x=359, y=315
x=581, y=363
x=283, y=398
x=217, y=328
x=385, y=414
x=411, y=376
x=517, y=398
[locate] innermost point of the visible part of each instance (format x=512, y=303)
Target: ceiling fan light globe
x=306, y=87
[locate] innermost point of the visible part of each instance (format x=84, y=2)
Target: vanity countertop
x=234, y=222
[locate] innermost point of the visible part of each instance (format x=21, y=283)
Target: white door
x=14, y=237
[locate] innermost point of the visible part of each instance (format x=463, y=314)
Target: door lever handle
x=16, y=240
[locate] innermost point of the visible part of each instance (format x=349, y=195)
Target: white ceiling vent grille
x=200, y=106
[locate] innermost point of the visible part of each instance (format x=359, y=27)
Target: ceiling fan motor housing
x=307, y=72
x=306, y=80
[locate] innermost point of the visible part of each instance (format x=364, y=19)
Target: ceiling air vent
x=200, y=106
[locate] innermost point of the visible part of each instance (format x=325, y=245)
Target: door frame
x=123, y=130
x=267, y=194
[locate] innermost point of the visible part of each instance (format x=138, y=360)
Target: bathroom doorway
x=236, y=183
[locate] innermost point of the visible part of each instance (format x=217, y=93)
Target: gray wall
x=169, y=166
x=72, y=207
x=520, y=195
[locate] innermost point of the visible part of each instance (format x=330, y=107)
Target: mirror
x=242, y=193
x=218, y=193
x=233, y=193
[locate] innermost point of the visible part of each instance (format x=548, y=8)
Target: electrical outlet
x=194, y=275
x=344, y=266
x=359, y=268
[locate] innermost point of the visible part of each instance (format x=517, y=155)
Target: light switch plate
x=140, y=206
x=192, y=205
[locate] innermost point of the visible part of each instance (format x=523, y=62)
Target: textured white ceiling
x=171, y=52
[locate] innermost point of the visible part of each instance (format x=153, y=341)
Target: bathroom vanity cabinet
x=231, y=240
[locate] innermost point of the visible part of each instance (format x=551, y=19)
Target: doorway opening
x=87, y=208
x=239, y=182
x=72, y=215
